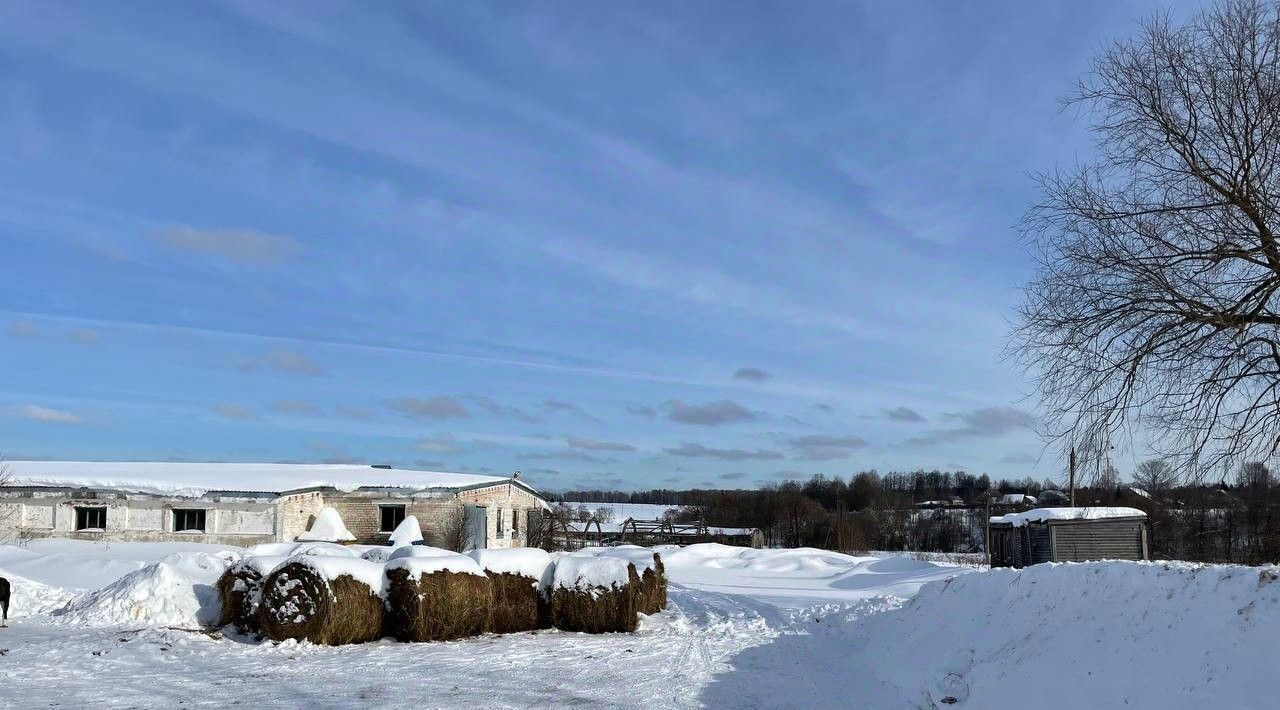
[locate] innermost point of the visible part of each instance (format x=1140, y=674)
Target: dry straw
x=438, y=606
x=598, y=609
x=517, y=604
x=238, y=589
x=653, y=588
x=299, y=603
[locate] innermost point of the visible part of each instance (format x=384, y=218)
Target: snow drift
x=176, y=591
x=1097, y=634
x=31, y=598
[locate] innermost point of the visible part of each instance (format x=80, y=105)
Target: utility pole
x=840, y=526
x=1071, y=467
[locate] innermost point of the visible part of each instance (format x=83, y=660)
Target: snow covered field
x=112, y=626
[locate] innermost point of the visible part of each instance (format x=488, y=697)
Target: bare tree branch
x=1153, y=305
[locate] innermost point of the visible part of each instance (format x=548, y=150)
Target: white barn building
x=249, y=503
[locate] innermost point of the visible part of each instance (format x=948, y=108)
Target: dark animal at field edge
x=4, y=602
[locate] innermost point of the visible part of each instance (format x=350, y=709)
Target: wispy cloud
x=47, y=414
x=26, y=330
x=980, y=423
x=710, y=414
x=243, y=246
x=354, y=412
x=23, y=329
x=822, y=447
x=234, y=411
x=903, y=414
x=565, y=455
x=83, y=336
x=285, y=361
x=700, y=451
x=754, y=374
x=641, y=410
x=555, y=405
x=580, y=442
x=498, y=409
x=297, y=406
x=439, y=407
x=443, y=444
x=1018, y=458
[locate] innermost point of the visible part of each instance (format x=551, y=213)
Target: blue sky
x=610, y=245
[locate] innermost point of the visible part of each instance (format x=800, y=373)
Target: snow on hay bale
x=436, y=595
x=289, y=549
x=240, y=591
x=327, y=527
x=519, y=576
x=653, y=575
x=326, y=600
x=595, y=594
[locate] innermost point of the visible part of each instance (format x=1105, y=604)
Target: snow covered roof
x=1040, y=515
x=1016, y=499
x=196, y=479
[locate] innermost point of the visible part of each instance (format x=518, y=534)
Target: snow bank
x=406, y=533
x=800, y=577
x=81, y=565
x=1118, y=633
x=327, y=527
x=420, y=559
x=526, y=561
x=330, y=568
x=1040, y=515
x=31, y=598
x=177, y=591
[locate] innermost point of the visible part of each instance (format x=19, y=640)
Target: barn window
x=499, y=523
x=94, y=518
x=188, y=519
x=515, y=523
x=392, y=516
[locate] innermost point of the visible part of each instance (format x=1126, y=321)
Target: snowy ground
x=746, y=629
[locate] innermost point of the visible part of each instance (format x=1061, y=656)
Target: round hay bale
x=519, y=576
x=437, y=597
x=325, y=600
x=595, y=595
x=240, y=590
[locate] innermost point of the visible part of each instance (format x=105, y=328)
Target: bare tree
x=1255, y=476
x=452, y=534
x=8, y=513
x=1153, y=304
x=1155, y=476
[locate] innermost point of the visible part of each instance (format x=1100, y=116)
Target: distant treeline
x=1237, y=521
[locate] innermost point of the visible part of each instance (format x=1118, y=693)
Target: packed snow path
x=667, y=664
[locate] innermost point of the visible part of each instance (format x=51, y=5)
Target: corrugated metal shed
x=1062, y=538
